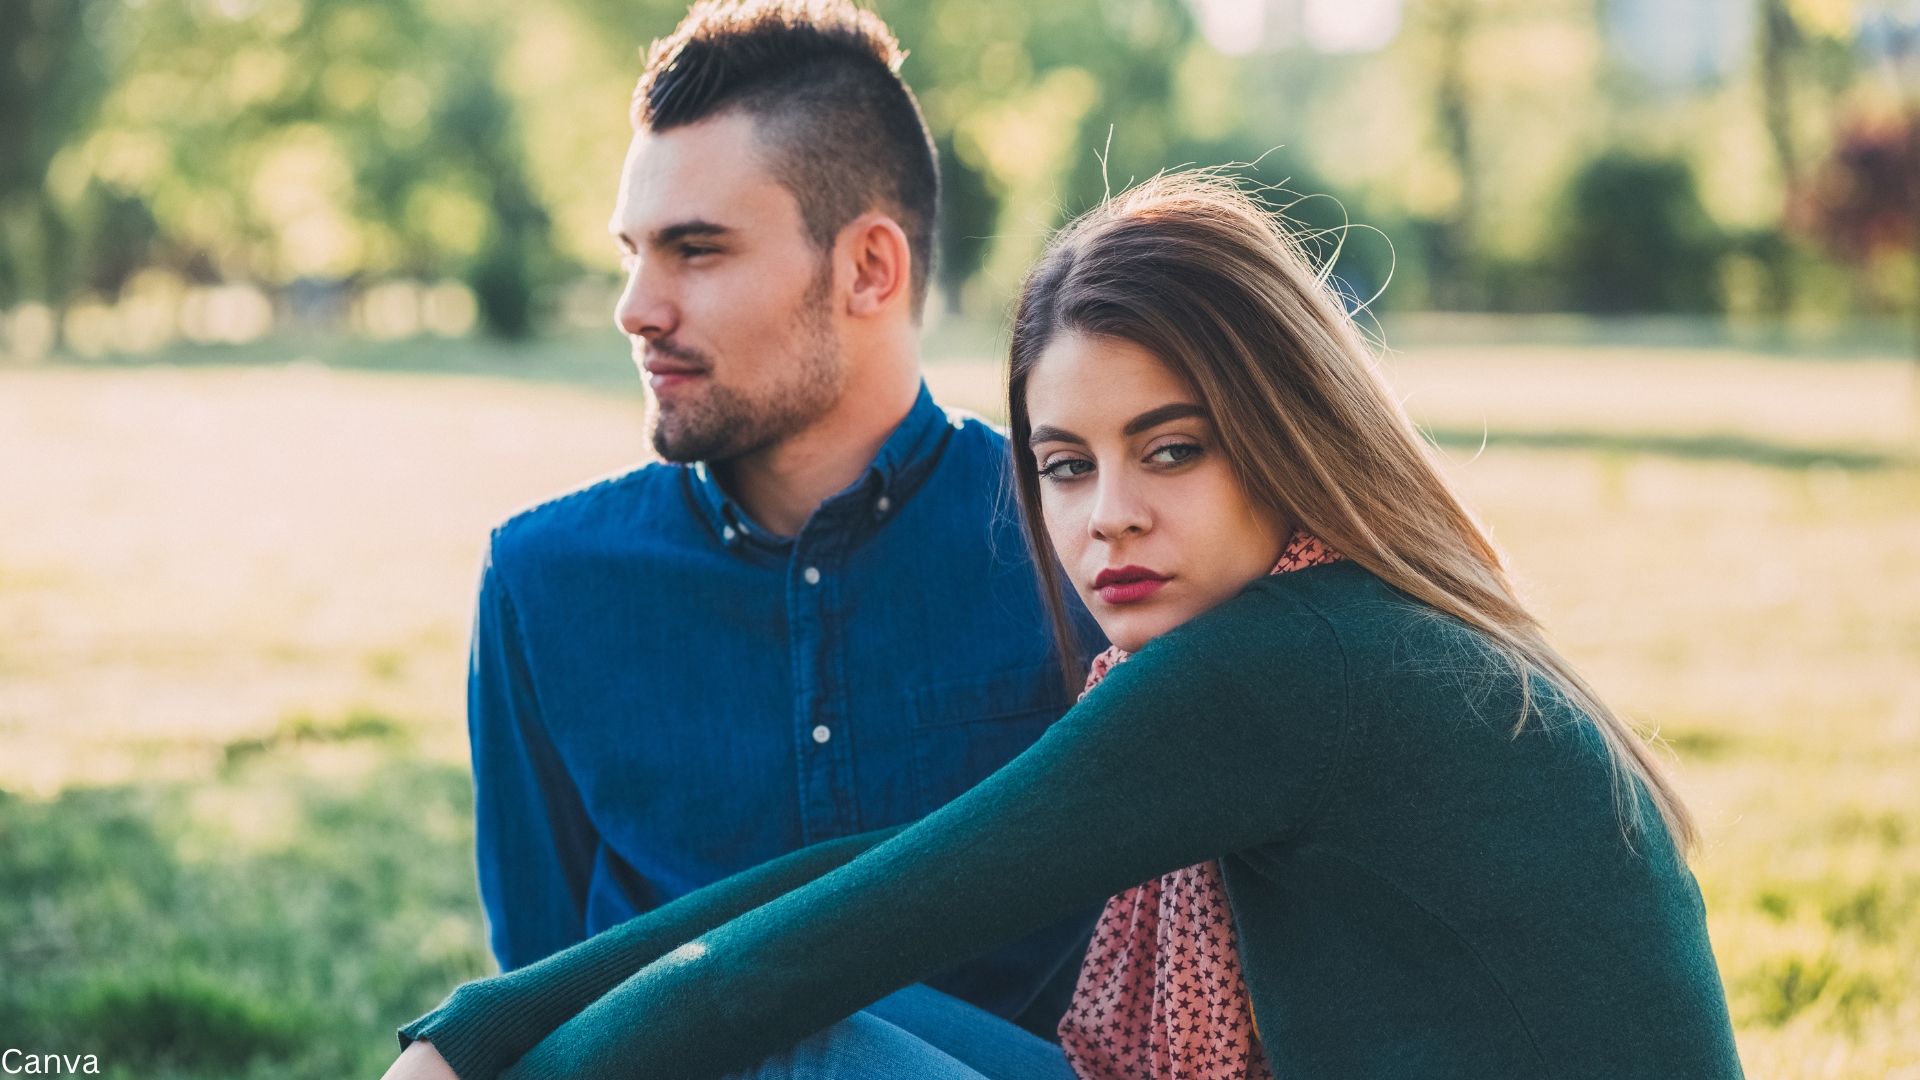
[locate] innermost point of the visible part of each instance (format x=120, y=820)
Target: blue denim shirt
x=663, y=693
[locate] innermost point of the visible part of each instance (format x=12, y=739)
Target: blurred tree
x=1638, y=240
x=1865, y=202
x=1452, y=245
x=516, y=257
x=113, y=237
x=1133, y=65
x=1021, y=99
x=1879, y=206
x=1780, y=41
x=968, y=212
x=632, y=25
x=280, y=140
x=315, y=145
x=53, y=73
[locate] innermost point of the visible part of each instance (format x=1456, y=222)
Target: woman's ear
x=882, y=263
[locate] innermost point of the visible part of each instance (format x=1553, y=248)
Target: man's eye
x=1066, y=468
x=694, y=251
x=1174, y=453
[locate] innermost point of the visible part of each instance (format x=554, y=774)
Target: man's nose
x=643, y=310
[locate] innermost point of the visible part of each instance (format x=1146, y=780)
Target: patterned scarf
x=1161, y=995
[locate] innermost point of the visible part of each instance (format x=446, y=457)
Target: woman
x=1384, y=829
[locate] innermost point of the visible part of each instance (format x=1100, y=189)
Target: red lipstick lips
x=1128, y=584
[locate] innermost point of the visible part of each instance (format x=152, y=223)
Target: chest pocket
x=964, y=729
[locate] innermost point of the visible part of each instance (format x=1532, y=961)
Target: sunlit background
x=298, y=298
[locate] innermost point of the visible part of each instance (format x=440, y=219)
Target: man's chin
x=684, y=451
x=685, y=432
x=683, y=443
x=721, y=425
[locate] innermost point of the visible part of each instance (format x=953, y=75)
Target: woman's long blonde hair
x=1194, y=270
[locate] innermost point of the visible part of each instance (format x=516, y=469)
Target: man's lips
x=1128, y=584
x=664, y=372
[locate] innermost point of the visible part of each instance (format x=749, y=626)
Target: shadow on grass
x=134, y=928
x=1694, y=447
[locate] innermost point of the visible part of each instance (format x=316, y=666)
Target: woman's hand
x=420, y=1061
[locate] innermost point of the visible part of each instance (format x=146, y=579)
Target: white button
x=821, y=734
x=728, y=534
x=813, y=578
x=883, y=505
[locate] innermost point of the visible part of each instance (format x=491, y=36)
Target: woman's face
x=1146, y=515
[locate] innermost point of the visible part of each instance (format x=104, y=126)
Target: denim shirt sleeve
x=534, y=841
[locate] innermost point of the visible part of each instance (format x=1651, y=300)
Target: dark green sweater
x=1419, y=893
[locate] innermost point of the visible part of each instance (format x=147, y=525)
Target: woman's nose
x=1118, y=510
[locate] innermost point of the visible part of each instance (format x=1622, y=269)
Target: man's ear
x=876, y=247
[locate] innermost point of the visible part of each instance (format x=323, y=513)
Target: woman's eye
x=1066, y=468
x=1174, y=453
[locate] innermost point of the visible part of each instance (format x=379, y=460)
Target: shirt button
x=728, y=534
x=883, y=505
x=821, y=734
x=812, y=575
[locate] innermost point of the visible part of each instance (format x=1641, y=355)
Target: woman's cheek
x=1064, y=527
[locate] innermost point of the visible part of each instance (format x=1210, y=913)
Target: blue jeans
x=918, y=1034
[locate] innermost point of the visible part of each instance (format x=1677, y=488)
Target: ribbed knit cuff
x=484, y=1027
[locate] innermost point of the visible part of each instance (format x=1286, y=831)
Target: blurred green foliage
x=283, y=139
x=276, y=922
x=51, y=78
x=1504, y=153
x=1637, y=239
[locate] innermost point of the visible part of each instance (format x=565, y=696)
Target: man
x=817, y=616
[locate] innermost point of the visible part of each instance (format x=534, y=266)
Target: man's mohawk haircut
x=820, y=79
x=726, y=47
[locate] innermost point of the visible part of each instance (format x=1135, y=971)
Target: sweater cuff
x=486, y=1026
x=475, y=1041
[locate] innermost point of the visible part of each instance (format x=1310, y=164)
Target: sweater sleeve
x=486, y=1025
x=1218, y=737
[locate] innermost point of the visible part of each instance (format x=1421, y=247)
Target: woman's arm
x=420, y=1061
x=487, y=1025
x=1192, y=750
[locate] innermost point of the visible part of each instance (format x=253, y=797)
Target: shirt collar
x=903, y=464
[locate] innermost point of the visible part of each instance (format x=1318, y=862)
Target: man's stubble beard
x=724, y=424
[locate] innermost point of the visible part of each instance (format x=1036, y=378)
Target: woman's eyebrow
x=1153, y=418
x=1047, y=433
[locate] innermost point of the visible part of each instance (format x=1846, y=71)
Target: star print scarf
x=1161, y=995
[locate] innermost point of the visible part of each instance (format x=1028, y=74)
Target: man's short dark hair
x=821, y=80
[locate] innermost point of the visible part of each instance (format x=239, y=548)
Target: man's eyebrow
x=685, y=229
x=1047, y=433
x=1153, y=418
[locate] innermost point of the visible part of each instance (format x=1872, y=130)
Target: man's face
x=727, y=299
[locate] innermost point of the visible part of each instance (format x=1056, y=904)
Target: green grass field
x=139, y=925
x=235, y=839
